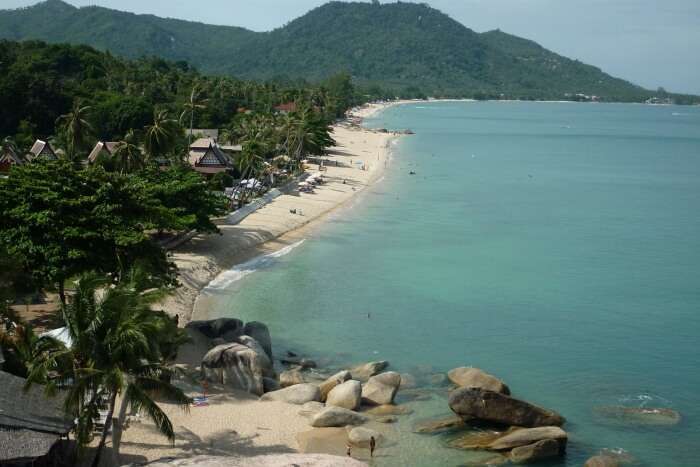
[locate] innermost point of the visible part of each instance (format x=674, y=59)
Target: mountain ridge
x=400, y=46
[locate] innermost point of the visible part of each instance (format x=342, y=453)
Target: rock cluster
x=483, y=400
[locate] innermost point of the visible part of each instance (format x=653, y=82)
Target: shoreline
x=273, y=227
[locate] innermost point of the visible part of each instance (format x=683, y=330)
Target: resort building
x=287, y=107
x=8, y=158
x=102, y=150
x=31, y=425
x=41, y=149
x=206, y=157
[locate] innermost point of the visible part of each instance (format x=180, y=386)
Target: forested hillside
x=40, y=82
x=410, y=48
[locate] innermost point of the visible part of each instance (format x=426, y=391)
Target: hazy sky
x=649, y=42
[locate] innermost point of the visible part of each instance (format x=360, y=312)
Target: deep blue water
x=555, y=245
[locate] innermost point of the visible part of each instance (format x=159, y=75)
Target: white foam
x=226, y=278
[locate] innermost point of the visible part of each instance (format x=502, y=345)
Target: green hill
x=398, y=46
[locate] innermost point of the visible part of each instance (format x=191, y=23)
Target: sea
x=554, y=245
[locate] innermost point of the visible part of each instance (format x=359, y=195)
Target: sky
x=653, y=43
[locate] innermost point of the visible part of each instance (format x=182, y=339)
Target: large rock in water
x=474, y=404
x=543, y=449
x=260, y=333
x=438, y=425
x=298, y=394
x=347, y=395
x=526, y=436
x=336, y=417
x=366, y=371
x=468, y=377
x=649, y=416
x=227, y=328
x=255, y=345
x=237, y=366
x=602, y=461
x=327, y=386
x=381, y=389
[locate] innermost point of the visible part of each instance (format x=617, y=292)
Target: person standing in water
x=372, y=445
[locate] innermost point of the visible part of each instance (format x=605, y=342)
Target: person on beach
x=348, y=451
x=372, y=445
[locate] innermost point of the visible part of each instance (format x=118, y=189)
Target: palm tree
x=160, y=136
x=76, y=128
x=194, y=103
x=304, y=133
x=117, y=353
x=127, y=154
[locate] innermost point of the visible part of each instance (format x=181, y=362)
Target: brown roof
x=9, y=156
x=287, y=107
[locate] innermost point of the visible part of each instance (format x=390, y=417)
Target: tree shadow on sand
x=225, y=443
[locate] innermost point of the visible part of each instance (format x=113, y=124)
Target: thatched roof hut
x=31, y=424
x=43, y=149
x=102, y=149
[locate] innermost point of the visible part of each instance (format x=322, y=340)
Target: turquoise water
x=554, y=245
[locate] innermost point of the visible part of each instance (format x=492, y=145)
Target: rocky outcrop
x=347, y=395
x=328, y=385
x=311, y=408
x=255, y=345
x=298, y=394
x=361, y=436
x=468, y=377
x=237, y=366
x=544, y=449
x=366, y=371
x=480, y=405
x=291, y=377
x=527, y=436
x=381, y=389
x=226, y=328
x=336, y=417
x=260, y=333
x=475, y=440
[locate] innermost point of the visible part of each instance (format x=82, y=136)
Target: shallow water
x=554, y=245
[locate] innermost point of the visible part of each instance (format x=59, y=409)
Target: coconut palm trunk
x=105, y=430
x=118, y=430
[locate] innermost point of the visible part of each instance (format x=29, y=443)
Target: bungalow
x=31, y=425
x=206, y=157
x=287, y=107
x=102, y=150
x=8, y=158
x=41, y=149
